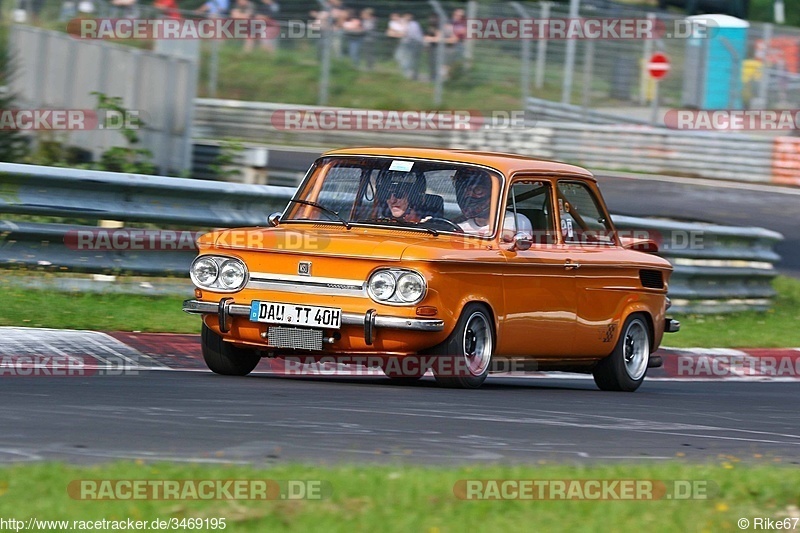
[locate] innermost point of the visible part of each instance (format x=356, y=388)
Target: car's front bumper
x=369, y=320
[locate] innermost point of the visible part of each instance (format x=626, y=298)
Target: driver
x=402, y=195
x=474, y=196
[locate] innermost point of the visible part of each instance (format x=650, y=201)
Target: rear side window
x=582, y=218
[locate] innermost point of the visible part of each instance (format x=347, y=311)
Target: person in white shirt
x=474, y=195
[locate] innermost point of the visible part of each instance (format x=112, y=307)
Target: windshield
x=428, y=195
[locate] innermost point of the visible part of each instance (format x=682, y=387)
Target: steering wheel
x=451, y=225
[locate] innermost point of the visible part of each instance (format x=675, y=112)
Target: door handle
x=569, y=265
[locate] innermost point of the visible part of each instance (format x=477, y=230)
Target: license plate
x=296, y=315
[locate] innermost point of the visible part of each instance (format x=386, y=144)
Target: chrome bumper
x=671, y=326
x=369, y=320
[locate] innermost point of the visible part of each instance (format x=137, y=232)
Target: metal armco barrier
x=566, y=133
x=717, y=268
x=62, y=192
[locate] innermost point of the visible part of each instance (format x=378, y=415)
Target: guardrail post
x=541, y=48
x=525, y=75
x=569, y=61
x=325, y=54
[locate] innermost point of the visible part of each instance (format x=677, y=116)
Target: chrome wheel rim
x=636, y=350
x=476, y=344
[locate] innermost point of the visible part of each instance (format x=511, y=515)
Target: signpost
x=658, y=67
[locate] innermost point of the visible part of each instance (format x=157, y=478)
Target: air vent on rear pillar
x=652, y=279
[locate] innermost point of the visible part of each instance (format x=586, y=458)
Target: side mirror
x=274, y=219
x=522, y=241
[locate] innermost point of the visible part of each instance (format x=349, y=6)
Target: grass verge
x=775, y=328
x=108, y=312
x=398, y=498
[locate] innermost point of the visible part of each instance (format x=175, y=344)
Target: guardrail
x=717, y=268
x=569, y=133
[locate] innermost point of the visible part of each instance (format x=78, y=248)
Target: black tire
x=626, y=367
x=465, y=357
x=225, y=358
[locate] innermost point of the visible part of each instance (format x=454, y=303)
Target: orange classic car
x=452, y=261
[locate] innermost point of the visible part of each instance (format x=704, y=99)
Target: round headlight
x=381, y=285
x=231, y=275
x=205, y=271
x=410, y=287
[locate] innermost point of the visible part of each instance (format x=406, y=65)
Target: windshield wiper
x=322, y=208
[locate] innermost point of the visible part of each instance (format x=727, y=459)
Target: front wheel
x=465, y=357
x=625, y=368
x=225, y=358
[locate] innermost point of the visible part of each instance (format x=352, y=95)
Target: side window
x=530, y=200
x=582, y=219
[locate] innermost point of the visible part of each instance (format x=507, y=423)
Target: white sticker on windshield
x=570, y=233
x=402, y=166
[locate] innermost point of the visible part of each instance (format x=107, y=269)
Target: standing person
x=369, y=24
x=243, y=9
x=354, y=34
x=397, y=30
x=433, y=36
x=266, y=10
x=413, y=42
x=214, y=8
x=459, y=24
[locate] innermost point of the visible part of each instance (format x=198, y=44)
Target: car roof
x=508, y=164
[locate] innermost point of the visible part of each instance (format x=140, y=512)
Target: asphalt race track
x=262, y=419
x=737, y=204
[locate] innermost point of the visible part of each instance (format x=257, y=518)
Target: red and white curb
x=40, y=351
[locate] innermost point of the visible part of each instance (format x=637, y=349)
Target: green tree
x=13, y=143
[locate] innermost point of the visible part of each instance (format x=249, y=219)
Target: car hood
x=317, y=239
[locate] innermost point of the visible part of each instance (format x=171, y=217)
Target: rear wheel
x=465, y=357
x=225, y=358
x=626, y=367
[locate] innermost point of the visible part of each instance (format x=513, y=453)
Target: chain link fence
x=330, y=63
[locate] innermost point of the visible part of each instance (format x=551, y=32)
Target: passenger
x=474, y=196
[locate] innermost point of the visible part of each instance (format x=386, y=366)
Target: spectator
x=267, y=10
x=215, y=8
x=354, y=33
x=168, y=9
x=397, y=30
x=369, y=23
x=432, y=38
x=412, y=43
x=243, y=9
x=459, y=23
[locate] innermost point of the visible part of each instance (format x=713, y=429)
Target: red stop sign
x=658, y=66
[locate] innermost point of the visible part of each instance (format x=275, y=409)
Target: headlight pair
x=218, y=273
x=396, y=286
